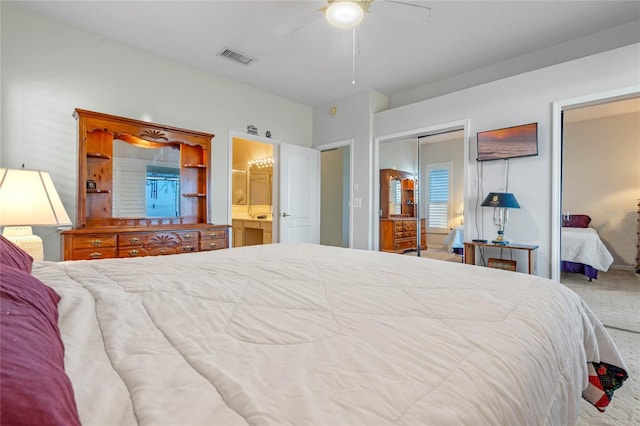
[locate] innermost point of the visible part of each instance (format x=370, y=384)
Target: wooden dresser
x=104, y=243
x=400, y=234
x=398, y=221
x=143, y=190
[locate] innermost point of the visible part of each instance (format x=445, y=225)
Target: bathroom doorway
x=252, y=187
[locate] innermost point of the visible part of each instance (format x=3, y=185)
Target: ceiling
x=314, y=65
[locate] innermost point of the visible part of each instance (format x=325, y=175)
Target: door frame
x=275, y=190
x=556, y=159
x=407, y=134
x=334, y=145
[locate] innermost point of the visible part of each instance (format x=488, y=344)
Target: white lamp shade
x=28, y=197
x=344, y=14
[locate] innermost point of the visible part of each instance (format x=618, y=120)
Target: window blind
x=438, y=198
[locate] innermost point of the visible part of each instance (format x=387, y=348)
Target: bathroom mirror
x=239, y=187
x=259, y=188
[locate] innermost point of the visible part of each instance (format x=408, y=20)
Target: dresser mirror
x=395, y=197
x=146, y=179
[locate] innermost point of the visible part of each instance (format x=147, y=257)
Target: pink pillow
x=14, y=256
x=35, y=388
x=576, y=221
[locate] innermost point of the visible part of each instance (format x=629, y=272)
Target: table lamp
x=501, y=203
x=29, y=198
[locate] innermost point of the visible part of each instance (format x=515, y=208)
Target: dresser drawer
x=213, y=234
x=254, y=224
x=130, y=240
x=405, y=244
x=189, y=237
x=218, y=243
x=93, y=241
x=159, y=251
x=410, y=225
x=133, y=252
x=153, y=239
x=94, y=253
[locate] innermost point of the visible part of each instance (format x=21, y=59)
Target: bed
x=582, y=250
x=454, y=241
x=298, y=334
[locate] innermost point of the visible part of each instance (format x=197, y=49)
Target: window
x=438, y=190
x=395, y=197
x=163, y=188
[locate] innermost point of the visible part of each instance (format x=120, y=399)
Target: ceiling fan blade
x=297, y=23
x=404, y=10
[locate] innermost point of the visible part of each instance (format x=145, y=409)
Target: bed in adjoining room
x=296, y=334
x=582, y=250
x=454, y=241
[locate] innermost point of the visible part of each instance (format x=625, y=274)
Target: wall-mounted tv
x=510, y=142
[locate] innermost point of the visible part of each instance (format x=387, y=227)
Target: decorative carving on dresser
x=143, y=190
x=153, y=134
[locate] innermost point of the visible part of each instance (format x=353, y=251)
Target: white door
x=299, y=194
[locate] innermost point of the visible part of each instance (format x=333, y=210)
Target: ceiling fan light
x=344, y=14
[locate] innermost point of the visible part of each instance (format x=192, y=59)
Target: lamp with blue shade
x=501, y=203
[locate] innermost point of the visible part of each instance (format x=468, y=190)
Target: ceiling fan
x=350, y=13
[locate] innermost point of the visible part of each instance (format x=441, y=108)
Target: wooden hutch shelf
x=115, y=158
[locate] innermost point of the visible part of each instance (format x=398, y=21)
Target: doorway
x=336, y=166
x=558, y=205
x=252, y=188
x=601, y=186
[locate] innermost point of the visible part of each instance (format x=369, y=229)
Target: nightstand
x=470, y=252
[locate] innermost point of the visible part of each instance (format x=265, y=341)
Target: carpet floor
x=615, y=298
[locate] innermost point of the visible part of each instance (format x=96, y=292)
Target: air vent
x=236, y=56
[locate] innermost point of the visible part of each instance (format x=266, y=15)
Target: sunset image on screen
x=518, y=141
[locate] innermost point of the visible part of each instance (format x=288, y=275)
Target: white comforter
x=583, y=245
x=306, y=334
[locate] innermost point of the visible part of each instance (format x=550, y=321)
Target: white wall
x=49, y=68
x=400, y=155
x=524, y=98
x=601, y=178
x=353, y=120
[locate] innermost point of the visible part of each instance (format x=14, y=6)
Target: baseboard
x=623, y=267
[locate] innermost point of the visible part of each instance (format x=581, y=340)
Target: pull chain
x=353, y=57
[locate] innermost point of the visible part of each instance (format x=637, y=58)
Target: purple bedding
x=579, y=268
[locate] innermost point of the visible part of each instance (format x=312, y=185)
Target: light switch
x=357, y=202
